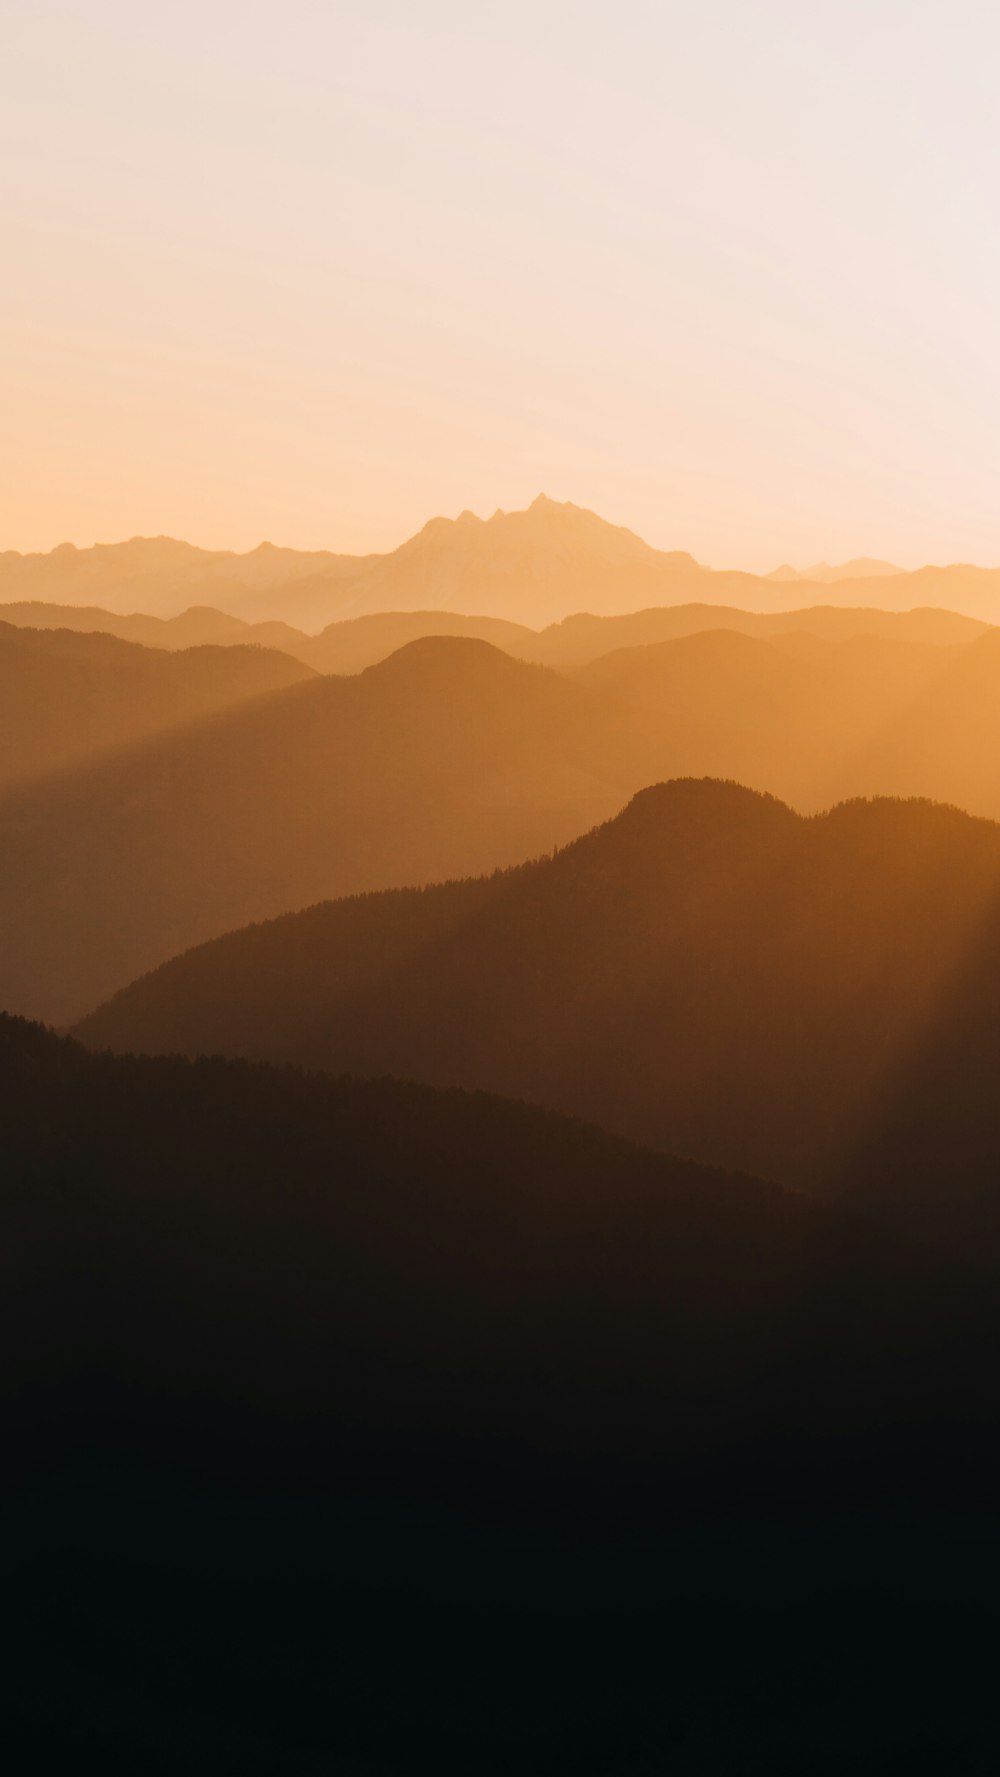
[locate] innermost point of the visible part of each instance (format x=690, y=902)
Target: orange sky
x=728, y=274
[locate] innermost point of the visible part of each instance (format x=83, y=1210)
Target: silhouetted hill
x=450, y=758
x=352, y=644
x=709, y=973
x=350, y=1409
x=190, y=629
x=65, y=697
x=503, y=1301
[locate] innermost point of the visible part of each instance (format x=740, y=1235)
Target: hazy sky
x=727, y=271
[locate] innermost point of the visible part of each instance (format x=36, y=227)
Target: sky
x=727, y=272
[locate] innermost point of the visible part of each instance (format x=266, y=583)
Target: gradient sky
x=728, y=272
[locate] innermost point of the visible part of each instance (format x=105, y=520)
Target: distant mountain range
x=448, y=759
x=813, y=1000
x=533, y=567
x=354, y=643
x=862, y=567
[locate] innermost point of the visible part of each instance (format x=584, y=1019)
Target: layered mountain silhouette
x=451, y=759
x=321, y=1377
x=65, y=697
x=447, y=759
x=198, y=626
x=709, y=973
x=583, y=638
x=532, y=567
x=355, y=643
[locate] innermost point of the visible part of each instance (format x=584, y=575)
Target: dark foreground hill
x=362, y=1427
x=383, y=1268
x=709, y=973
x=65, y=697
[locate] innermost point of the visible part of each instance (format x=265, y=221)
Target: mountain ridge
x=452, y=758
x=708, y=972
x=535, y=566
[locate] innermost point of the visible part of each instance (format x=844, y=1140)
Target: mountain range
x=533, y=567
x=354, y=643
x=812, y=1000
x=862, y=567
x=354, y=1386
x=451, y=759
x=448, y=759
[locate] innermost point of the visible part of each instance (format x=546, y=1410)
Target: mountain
x=532, y=567
x=447, y=759
x=450, y=759
x=66, y=697
x=157, y=572
x=869, y=716
x=190, y=629
x=580, y=639
x=709, y=973
x=352, y=644
x=862, y=567
x=348, y=1412
x=356, y=643
x=346, y=647
x=499, y=1298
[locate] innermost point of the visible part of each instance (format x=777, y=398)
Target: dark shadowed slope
x=709, y=972
x=65, y=697
x=481, y=1291
x=448, y=759
x=721, y=1463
